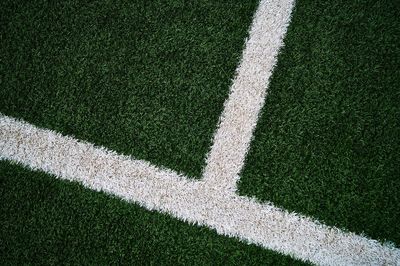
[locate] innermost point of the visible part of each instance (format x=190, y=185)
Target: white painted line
x=241, y=110
x=166, y=191
x=199, y=201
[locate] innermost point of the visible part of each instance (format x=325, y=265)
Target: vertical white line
x=241, y=110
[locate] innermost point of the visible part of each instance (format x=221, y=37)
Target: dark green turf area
x=45, y=221
x=328, y=141
x=143, y=78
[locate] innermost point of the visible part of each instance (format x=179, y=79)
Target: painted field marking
x=189, y=200
x=211, y=201
x=247, y=95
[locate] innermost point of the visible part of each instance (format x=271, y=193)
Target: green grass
x=149, y=78
x=143, y=78
x=47, y=221
x=327, y=143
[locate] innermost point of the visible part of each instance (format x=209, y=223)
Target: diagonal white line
x=164, y=190
x=199, y=201
x=241, y=110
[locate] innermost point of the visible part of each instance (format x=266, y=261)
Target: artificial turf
x=327, y=143
x=148, y=79
x=46, y=221
x=143, y=78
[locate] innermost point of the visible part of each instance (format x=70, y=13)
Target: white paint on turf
x=211, y=201
x=247, y=95
x=189, y=200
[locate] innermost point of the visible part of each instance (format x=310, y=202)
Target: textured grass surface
x=327, y=144
x=144, y=78
x=47, y=221
x=148, y=79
